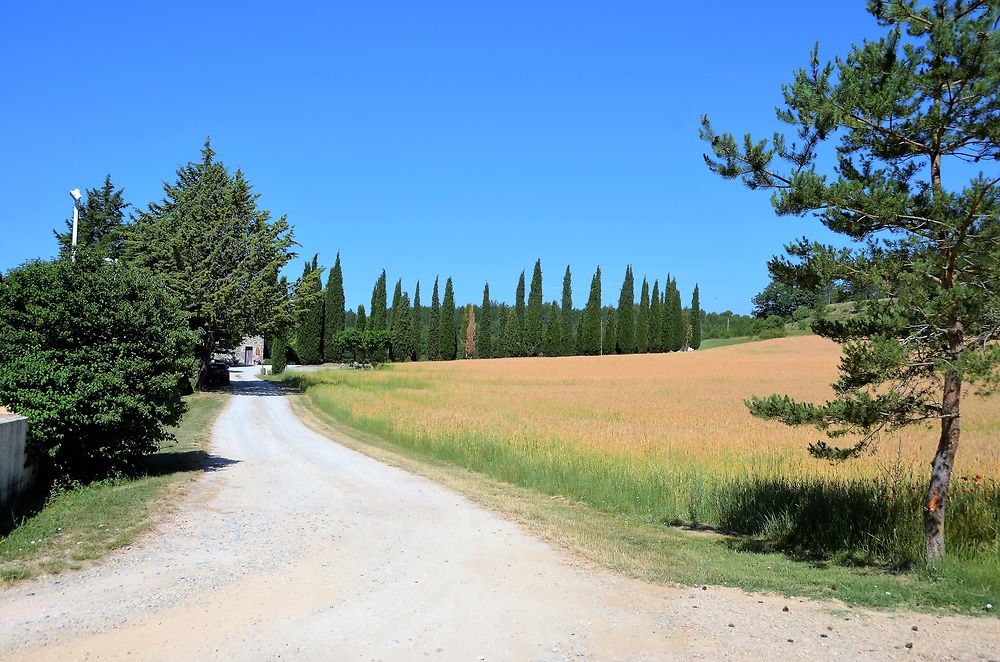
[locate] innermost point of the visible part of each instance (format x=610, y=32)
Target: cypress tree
x=378, y=320
x=333, y=311
x=447, y=331
x=666, y=313
x=397, y=297
x=642, y=320
x=676, y=319
x=533, y=317
x=485, y=327
x=510, y=340
x=402, y=335
x=553, y=332
x=590, y=333
x=695, y=341
x=434, y=327
x=519, y=311
x=310, y=314
x=625, y=327
x=655, y=322
x=568, y=342
x=361, y=321
x=279, y=354
x=469, y=327
x=610, y=340
x=416, y=339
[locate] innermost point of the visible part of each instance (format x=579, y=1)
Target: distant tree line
x=401, y=329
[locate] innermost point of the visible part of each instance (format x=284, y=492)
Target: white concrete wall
x=15, y=478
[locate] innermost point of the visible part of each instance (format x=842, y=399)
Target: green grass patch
x=780, y=532
x=70, y=528
x=712, y=343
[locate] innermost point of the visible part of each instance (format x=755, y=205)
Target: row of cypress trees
x=657, y=323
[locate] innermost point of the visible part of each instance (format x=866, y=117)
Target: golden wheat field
x=666, y=407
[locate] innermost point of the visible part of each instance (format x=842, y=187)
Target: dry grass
x=652, y=405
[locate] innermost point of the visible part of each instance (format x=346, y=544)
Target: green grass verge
x=712, y=343
x=615, y=512
x=78, y=526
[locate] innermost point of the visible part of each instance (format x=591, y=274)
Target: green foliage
x=510, y=341
x=333, y=310
x=401, y=347
x=781, y=299
x=434, y=328
x=533, y=339
x=642, y=320
x=655, y=320
x=378, y=316
x=309, y=314
x=924, y=260
x=95, y=355
x=364, y=345
x=610, y=341
x=484, y=345
x=695, y=320
x=216, y=253
x=569, y=344
x=519, y=311
x=361, y=320
x=417, y=337
x=279, y=353
x=673, y=318
x=553, y=332
x=590, y=325
x=101, y=226
x=625, y=319
x=447, y=338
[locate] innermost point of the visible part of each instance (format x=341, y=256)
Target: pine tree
x=447, y=332
x=553, y=332
x=924, y=257
x=361, y=321
x=625, y=319
x=333, y=309
x=695, y=340
x=434, y=326
x=533, y=317
x=101, y=224
x=642, y=320
x=590, y=333
x=309, y=302
x=655, y=321
x=519, y=311
x=417, y=338
x=568, y=341
x=610, y=340
x=483, y=330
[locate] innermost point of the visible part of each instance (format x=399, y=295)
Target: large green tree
x=401, y=343
x=642, y=320
x=695, y=320
x=553, y=332
x=333, y=310
x=101, y=225
x=417, y=336
x=434, y=326
x=95, y=356
x=533, y=327
x=590, y=324
x=912, y=113
x=519, y=309
x=484, y=349
x=625, y=320
x=309, y=314
x=448, y=332
x=655, y=320
x=378, y=319
x=568, y=344
x=216, y=252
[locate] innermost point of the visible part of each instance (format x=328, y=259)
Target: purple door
x=248, y=356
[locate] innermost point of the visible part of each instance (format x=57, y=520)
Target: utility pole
x=75, y=194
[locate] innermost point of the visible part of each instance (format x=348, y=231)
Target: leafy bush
x=94, y=355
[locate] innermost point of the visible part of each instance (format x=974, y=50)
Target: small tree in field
x=904, y=109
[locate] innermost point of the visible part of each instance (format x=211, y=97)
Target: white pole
x=75, y=194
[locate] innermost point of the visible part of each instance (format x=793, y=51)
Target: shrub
x=95, y=355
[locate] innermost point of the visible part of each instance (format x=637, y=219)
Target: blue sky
x=461, y=139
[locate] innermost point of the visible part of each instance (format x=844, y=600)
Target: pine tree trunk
x=941, y=467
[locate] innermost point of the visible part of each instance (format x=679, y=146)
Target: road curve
x=294, y=547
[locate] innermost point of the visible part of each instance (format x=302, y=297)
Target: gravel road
x=294, y=547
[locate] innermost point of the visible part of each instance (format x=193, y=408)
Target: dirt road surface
x=293, y=547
